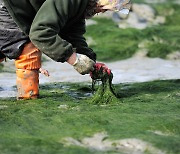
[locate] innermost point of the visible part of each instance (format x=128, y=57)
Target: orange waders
x=27, y=71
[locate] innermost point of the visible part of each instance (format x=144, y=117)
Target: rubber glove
x=83, y=64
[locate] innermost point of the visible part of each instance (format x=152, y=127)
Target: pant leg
x=12, y=39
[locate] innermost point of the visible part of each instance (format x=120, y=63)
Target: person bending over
x=54, y=27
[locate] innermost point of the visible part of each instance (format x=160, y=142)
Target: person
x=54, y=27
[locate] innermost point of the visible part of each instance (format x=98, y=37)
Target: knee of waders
x=30, y=58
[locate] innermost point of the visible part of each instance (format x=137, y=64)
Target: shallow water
x=136, y=69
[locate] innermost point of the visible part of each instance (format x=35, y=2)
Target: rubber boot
x=27, y=84
x=28, y=64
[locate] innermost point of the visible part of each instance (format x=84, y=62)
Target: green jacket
x=53, y=26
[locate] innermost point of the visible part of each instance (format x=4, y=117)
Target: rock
x=141, y=16
x=122, y=16
x=144, y=11
x=115, y=17
x=174, y=56
x=159, y=20
x=133, y=21
x=100, y=142
x=141, y=53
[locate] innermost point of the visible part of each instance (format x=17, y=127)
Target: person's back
x=23, y=12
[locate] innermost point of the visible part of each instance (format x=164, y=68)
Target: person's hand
x=81, y=63
x=43, y=71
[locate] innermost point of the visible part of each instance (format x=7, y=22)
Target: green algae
x=105, y=94
x=38, y=126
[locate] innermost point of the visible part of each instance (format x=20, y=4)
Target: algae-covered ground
x=145, y=111
x=65, y=115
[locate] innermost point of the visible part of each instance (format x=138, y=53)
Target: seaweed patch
x=105, y=93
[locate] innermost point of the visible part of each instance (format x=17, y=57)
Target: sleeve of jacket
x=75, y=36
x=47, y=24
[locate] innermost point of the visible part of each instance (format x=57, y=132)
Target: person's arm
x=47, y=24
x=75, y=36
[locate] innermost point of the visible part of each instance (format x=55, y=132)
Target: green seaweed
x=105, y=92
x=104, y=95
x=39, y=126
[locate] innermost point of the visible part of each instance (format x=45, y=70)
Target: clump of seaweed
x=105, y=93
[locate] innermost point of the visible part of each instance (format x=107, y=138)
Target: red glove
x=100, y=70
